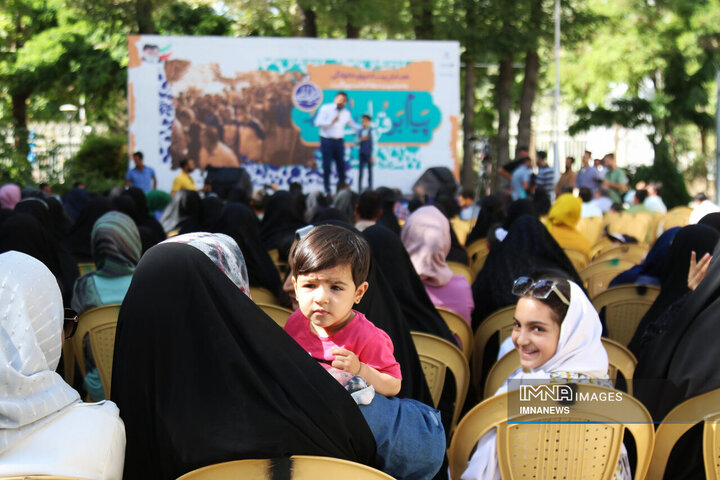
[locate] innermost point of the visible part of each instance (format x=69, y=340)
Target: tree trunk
x=468, y=175
x=144, y=11
x=527, y=98
x=309, y=20
x=351, y=29
x=19, y=116
x=504, y=101
x=423, y=19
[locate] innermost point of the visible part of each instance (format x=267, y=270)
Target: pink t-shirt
x=370, y=344
x=456, y=295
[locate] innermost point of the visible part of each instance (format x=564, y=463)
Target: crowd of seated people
x=201, y=375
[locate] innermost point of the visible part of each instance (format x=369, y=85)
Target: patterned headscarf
x=224, y=253
x=31, y=326
x=116, y=245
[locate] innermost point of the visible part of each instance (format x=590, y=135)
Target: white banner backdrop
x=251, y=102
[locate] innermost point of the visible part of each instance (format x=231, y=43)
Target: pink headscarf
x=9, y=195
x=426, y=236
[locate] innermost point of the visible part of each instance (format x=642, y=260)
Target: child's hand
x=346, y=361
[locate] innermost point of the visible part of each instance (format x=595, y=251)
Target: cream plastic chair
x=577, y=258
x=477, y=253
x=597, y=276
x=500, y=322
x=461, y=269
x=620, y=359
x=302, y=467
x=625, y=305
x=676, y=217
x=637, y=225
x=460, y=327
x=703, y=408
x=263, y=295
x=276, y=312
x=436, y=357
x=586, y=444
x=631, y=252
x=462, y=228
x=99, y=324
x=591, y=228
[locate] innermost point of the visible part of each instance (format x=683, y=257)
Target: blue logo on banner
x=307, y=97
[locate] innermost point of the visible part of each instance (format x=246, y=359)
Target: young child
x=365, y=142
x=329, y=272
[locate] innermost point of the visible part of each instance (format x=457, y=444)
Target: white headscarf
x=426, y=236
x=579, y=351
x=31, y=329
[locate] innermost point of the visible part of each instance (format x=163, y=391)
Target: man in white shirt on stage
x=332, y=119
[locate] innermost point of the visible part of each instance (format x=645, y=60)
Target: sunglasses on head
x=540, y=289
x=70, y=323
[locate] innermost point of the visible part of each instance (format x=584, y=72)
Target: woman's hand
x=346, y=361
x=697, y=270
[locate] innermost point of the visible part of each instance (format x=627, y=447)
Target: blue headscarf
x=649, y=271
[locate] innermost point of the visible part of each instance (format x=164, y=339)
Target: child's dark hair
x=327, y=246
x=366, y=116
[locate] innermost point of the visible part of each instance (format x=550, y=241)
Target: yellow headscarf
x=566, y=210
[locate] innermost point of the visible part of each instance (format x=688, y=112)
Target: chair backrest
x=637, y=225
x=597, y=276
x=676, y=217
x=703, y=408
x=437, y=355
x=586, y=443
x=461, y=269
x=276, y=312
x=462, y=228
x=625, y=305
x=620, y=359
x=631, y=252
x=477, y=254
x=263, y=295
x=99, y=324
x=602, y=245
x=302, y=467
x=460, y=327
x=501, y=371
x=500, y=322
x=577, y=258
x=68, y=354
x=591, y=228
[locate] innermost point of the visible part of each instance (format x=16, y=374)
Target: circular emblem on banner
x=307, y=97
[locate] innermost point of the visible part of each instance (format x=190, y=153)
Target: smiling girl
x=556, y=332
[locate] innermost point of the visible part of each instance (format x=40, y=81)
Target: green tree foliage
x=179, y=18
x=101, y=163
x=663, y=169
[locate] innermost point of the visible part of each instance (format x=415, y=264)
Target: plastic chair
x=462, y=228
x=263, y=295
x=602, y=245
x=99, y=324
x=436, y=357
x=477, y=253
x=276, y=312
x=676, y=217
x=637, y=225
x=500, y=322
x=620, y=359
x=625, y=306
x=597, y=276
x=703, y=408
x=461, y=328
x=461, y=269
x=68, y=354
x=86, y=267
x=577, y=258
x=586, y=444
x=631, y=252
x=591, y=228
x=501, y=371
x=302, y=467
